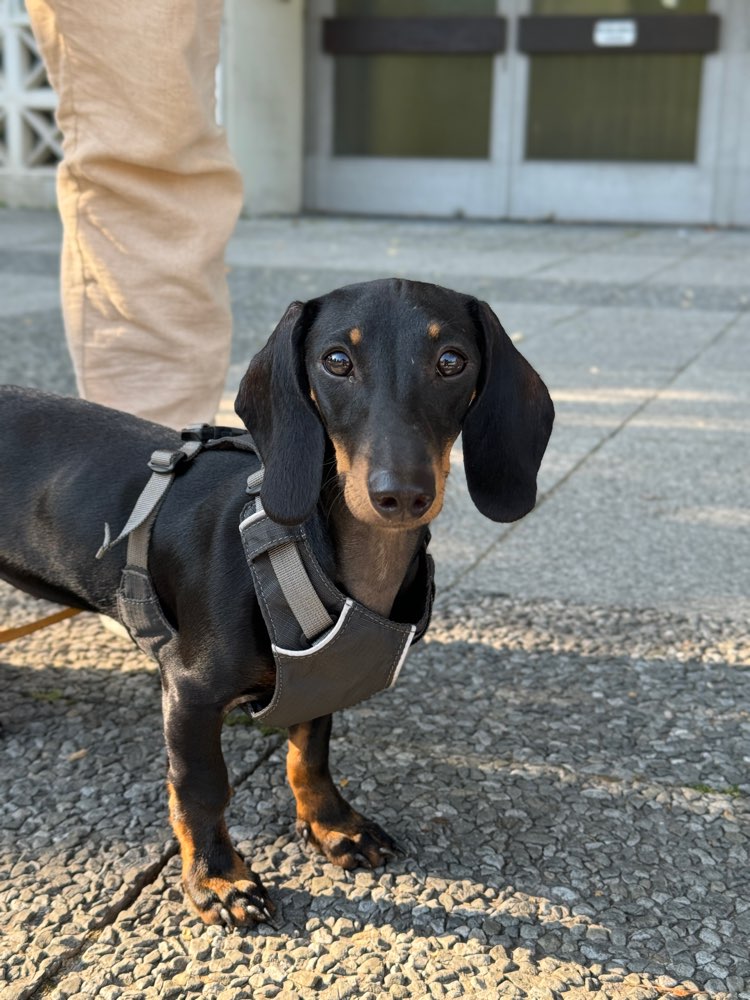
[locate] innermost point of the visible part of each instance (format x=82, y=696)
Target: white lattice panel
x=30, y=142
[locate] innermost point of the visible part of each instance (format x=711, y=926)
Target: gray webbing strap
x=290, y=571
x=138, y=541
x=153, y=492
x=254, y=483
x=300, y=594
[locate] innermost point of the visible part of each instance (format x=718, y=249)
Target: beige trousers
x=149, y=196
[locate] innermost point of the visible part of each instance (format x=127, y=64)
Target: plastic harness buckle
x=198, y=432
x=166, y=461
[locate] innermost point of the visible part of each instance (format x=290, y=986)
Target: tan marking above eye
x=433, y=329
x=355, y=335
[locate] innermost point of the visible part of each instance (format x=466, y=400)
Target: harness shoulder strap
x=288, y=567
x=163, y=464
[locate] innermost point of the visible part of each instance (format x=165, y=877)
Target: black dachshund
x=353, y=405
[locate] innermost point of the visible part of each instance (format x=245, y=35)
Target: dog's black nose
x=397, y=500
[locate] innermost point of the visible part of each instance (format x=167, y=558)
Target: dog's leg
x=324, y=818
x=217, y=883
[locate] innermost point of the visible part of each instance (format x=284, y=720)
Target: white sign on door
x=615, y=34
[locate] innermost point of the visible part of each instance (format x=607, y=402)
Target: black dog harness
x=330, y=651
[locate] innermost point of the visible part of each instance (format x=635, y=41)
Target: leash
x=9, y=634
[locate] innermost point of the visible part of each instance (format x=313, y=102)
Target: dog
x=353, y=404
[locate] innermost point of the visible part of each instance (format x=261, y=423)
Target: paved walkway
x=566, y=757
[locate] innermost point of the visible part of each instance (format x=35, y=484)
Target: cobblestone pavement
x=565, y=758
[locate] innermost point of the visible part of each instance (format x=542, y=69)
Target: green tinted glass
x=413, y=105
x=614, y=105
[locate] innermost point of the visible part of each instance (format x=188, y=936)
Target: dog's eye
x=451, y=363
x=337, y=363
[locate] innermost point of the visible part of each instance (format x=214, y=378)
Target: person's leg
x=149, y=196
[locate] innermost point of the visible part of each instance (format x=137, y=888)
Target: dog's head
x=385, y=375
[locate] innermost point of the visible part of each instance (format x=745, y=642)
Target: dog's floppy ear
x=275, y=405
x=507, y=426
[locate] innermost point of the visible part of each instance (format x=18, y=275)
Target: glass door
x=617, y=110
x=567, y=109
x=402, y=107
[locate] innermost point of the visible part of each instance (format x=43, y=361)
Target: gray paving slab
x=25, y=228
x=564, y=759
x=34, y=351
x=675, y=241
x=522, y=320
x=31, y=261
x=707, y=269
x=388, y=254
x=601, y=266
x=22, y=297
x=658, y=516
x=380, y=241
x=621, y=340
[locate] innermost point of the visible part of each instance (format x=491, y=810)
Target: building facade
x=591, y=110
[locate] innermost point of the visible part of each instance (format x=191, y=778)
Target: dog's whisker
x=336, y=495
x=338, y=499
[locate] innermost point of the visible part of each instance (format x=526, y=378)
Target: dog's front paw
x=234, y=898
x=352, y=841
